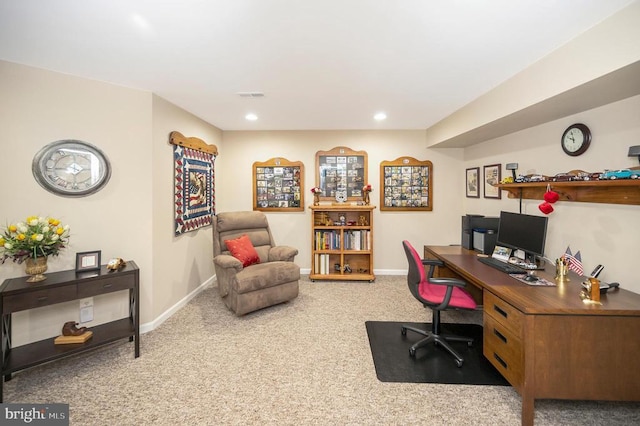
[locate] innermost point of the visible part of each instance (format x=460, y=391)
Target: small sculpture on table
x=70, y=329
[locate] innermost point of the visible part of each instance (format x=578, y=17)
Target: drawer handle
x=502, y=363
x=107, y=285
x=42, y=298
x=500, y=311
x=500, y=335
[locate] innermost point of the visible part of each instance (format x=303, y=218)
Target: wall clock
x=71, y=168
x=576, y=139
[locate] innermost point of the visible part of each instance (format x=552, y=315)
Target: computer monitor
x=523, y=232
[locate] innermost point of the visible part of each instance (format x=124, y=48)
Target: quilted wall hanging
x=194, y=192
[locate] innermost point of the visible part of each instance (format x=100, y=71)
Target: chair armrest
x=453, y=282
x=433, y=262
x=283, y=253
x=227, y=261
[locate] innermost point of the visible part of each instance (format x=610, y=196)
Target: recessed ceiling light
x=251, y=117
x=380, y=116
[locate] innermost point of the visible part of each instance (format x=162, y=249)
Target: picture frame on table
x=88, y=260
x=491, y=176
x=472, y=187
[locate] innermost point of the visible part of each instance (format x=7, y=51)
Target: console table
x=545, y=341
x=16, y=294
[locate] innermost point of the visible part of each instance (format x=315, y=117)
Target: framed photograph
x=341, y=173
x=491, y=177
x=406, y=185
x=473, y=191
x=88, y=260
x=278, y=185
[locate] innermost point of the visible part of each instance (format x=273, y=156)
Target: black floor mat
x=432, y=364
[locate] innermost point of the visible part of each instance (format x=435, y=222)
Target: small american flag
x=574, y=261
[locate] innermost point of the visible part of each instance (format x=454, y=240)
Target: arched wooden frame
x=406, y=185
x=278, y=185
x=341, y=169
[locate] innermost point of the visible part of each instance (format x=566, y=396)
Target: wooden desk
x=545, y=341
x=16, y=294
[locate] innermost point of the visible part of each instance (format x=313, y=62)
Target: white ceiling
x=321, y=64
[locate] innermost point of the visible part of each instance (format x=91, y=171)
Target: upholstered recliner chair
x=268, y=276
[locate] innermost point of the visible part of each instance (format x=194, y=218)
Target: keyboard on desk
x=501, y=266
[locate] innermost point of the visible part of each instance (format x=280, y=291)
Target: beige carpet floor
x=306, y=362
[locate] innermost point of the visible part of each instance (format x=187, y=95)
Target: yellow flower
x=21, y=237
x=34, y=237
x=54, y=222
x=13, y=228
x=2, y=241
x=59, y=230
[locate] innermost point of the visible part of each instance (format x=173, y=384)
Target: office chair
x=438, y=294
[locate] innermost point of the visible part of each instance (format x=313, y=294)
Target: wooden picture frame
x=278, y=185
x=406, y=184
x=88, y=260
x=471, y=182
x=341, y=169
x=491, y=176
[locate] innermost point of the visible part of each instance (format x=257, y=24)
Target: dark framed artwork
x=341, y=172
x=491, y=177
x=278, y=185
x=471, y=182
x=406, y=185
x=88, y=260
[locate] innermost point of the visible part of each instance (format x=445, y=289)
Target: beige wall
x=440, y=226
x=604, y=233
x=180, y=264
x=132, y=217
x=129, y=218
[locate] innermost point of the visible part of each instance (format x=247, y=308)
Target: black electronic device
x=596, y=271
x=604, y=287
x=523, y=232
x=471, y=221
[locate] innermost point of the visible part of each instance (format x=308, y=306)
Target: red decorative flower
x=367, y=188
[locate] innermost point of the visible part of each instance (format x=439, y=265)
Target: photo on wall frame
x=491, y=177
x=472, y=188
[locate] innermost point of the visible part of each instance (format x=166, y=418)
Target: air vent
x=251, y=94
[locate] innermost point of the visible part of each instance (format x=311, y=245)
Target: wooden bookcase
x=342, y=250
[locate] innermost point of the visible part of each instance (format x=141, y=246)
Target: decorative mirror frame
x=406, y=185
x=278, y=185
x=341, y=169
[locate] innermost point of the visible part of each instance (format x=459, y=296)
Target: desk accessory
x=562, y=270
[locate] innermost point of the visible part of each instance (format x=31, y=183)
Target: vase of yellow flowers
x=316, y=195
x=365, y=194
x=32, y=242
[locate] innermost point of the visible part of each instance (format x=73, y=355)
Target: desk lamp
x=514, y=166
x=634, y=151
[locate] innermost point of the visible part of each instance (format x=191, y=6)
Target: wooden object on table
x=545, y=341
x=81, y=338
x=16, y=295
x=347, y=244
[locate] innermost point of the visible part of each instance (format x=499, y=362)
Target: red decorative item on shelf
x=546, y=208
x=551, y=196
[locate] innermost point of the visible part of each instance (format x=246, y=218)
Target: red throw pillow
x=242, y=249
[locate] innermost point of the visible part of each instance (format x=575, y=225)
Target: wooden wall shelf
x=619, y=191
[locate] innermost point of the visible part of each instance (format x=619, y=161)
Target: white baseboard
x=307, y=271
x=145, y=328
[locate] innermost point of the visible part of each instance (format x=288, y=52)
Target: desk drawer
x=511, y=318
x=116, y=283
x=38, y=298
x=504, y=350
